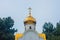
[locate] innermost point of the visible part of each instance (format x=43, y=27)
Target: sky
x=42, y=10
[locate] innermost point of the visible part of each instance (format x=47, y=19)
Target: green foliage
x=48, y=29
x=6, y=29
x=51, y=32
x=57, y=30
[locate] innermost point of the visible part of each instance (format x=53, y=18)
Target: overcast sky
x=42, y=10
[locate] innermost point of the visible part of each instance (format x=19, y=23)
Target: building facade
x=30, y=32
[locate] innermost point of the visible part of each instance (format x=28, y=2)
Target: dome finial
x=30, y=11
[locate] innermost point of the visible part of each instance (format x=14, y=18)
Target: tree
x=48, y=29
x=52, y=33
x=57, y=29
x=6, y=29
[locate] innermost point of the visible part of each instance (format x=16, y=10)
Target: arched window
x=30, y=27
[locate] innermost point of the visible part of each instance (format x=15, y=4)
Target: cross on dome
x=29, y=11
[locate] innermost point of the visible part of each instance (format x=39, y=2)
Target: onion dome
x=29, y=19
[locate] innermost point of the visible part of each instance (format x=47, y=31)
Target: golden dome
x=30, y=19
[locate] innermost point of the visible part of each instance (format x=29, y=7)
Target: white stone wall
x=31, y=35
x=27, y=26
